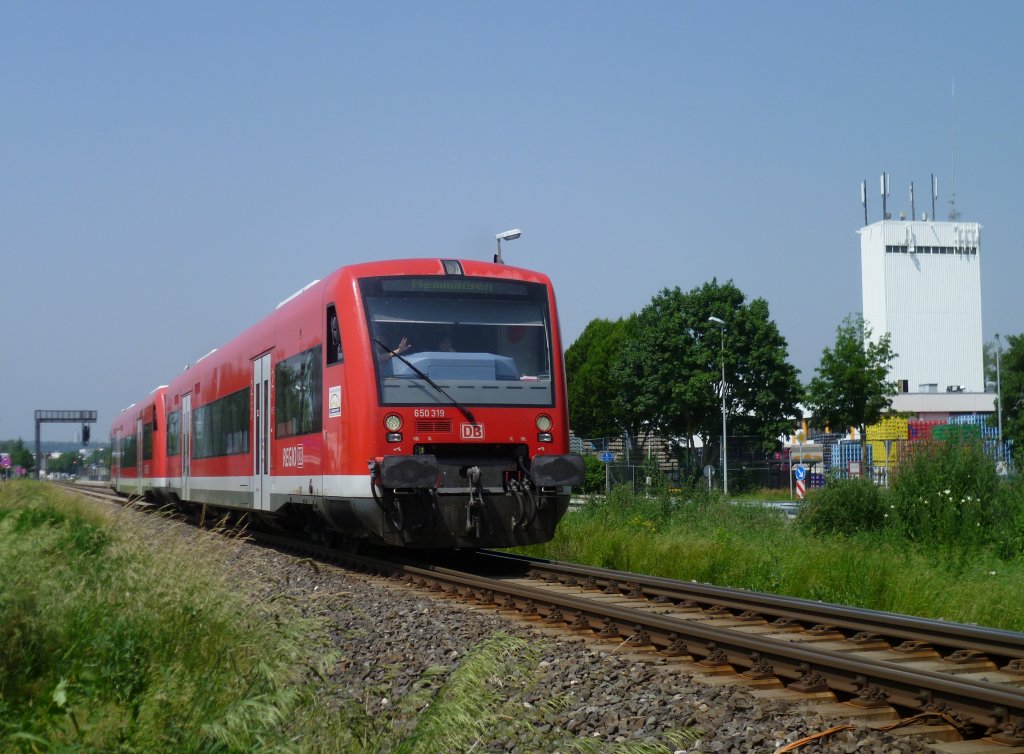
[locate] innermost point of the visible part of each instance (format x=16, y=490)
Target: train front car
x=456, y=405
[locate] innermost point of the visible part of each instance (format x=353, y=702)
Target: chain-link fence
x=652, y=465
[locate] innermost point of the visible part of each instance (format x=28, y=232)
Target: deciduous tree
x=592, y=388
x=1011, y=367
x=851, y=387
x=669, y=369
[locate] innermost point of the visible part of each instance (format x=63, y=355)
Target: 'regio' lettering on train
x=416, y=403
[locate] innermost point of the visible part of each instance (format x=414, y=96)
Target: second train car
x=417, y=403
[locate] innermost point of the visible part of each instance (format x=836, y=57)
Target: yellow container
x=890, y=428
x=878, y=453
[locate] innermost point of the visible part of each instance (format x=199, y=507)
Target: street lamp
x=508, y=235
x=999, y=397
x=725, y=460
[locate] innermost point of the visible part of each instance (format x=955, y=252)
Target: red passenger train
x=415, y=402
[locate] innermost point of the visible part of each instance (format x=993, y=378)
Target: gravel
x=391, y=647
x=574, y=693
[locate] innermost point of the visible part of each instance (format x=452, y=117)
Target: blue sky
x=172, y=171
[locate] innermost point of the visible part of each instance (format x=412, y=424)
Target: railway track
x=952, y=681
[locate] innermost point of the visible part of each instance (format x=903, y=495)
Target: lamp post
x=725, y=460
x=999, y=397
x=508, y=235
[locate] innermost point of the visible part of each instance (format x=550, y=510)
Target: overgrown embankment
x=112, y=644
x=946, y=541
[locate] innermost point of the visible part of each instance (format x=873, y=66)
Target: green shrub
x=594, y=475
x=1008, y=536
x=843, y=506
x=948, y=495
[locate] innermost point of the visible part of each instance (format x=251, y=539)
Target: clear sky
x=170, y=171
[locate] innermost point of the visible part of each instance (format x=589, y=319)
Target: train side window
x=334, y=353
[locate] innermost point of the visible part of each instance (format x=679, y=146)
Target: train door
x=186, y=444
x=261, y=432
x=138, y=456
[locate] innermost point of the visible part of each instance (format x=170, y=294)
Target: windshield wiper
x=466, y=412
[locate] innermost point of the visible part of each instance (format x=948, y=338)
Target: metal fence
x=653, y=466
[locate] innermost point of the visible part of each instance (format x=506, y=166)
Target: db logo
x=472, y=431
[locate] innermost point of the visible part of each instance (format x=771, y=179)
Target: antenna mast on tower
x=884, y=183
x=954, y=215
x=935, y=193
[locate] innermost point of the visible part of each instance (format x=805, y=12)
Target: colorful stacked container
x=845, y=452
x=957, y=432
x=895, y=430
x=919, y=430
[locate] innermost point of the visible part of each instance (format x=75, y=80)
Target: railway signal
x=60, y=417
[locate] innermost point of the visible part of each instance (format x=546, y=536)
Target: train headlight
x=392, y=422
x=544, y=428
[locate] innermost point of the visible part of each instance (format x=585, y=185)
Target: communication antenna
x=954, y=215
x=885, y=195
x=935, y=193
x=864, y=199
x=913, y=215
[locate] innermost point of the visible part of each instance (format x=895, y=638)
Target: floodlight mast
x=725, y=462
x=508, y=235
x=999, y=397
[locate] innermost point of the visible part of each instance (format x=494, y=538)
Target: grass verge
x=111, y=644
x=113, y=640
x=747, y=546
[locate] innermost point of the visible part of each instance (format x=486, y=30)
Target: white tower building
x=921, y=283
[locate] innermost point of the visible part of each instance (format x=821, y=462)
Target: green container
x=956, y=432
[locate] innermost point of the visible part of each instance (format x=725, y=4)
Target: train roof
x=437, y=266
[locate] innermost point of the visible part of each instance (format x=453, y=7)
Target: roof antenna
x=885, y=194
x=954, y=215
x=864, y=199
x=935, y=193
x=913, y=216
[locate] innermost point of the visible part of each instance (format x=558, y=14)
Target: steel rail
x=979, y=702
x=940, y=634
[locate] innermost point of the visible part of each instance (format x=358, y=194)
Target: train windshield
x=482, y=341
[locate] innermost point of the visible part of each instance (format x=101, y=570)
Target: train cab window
x=483, y=341
x=333, y=339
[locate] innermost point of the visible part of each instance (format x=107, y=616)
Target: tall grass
x=110, y=644
x=844, y=552
x=112, y=640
